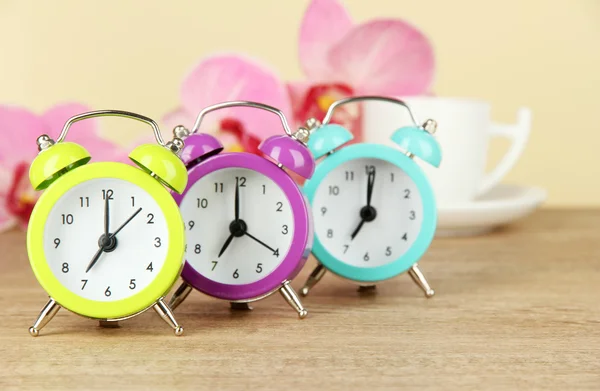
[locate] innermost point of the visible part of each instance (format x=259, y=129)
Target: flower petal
x=233, y=77
x=297, y=91
x=7, y=220
x=313, y=100
x=19, y=128
x=83, y=132
x=387, y=57
x=325, y=22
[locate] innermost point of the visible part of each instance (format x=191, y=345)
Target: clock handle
x=112, y=113
x=344, y=101
x=241, y=103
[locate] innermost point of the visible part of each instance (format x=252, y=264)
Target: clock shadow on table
x=334, y=289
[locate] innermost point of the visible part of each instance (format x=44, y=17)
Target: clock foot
x=240, y=306
x=180, y=295
x=313, y=279
x=290, y=295
x=367, y=289
x=108, y=324
x=165, y=312
x=415, y=273
x=46, y=315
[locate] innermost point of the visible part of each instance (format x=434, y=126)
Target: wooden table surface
x=518, y=309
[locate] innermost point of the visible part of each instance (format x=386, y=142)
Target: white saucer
x=500, y=206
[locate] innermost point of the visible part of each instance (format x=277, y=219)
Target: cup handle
x=518, y=134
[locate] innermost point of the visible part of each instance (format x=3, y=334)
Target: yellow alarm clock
x=106, y=240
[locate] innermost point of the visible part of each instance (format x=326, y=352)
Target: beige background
x=132, y=55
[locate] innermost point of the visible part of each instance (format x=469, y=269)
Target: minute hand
x=106, y=217
x=370, y=184
x=259, y=241
x=237, y=201
x=126, y=222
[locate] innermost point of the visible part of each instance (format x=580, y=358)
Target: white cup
x=464, y=132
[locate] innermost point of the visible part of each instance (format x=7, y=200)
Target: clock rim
x=136, y=303
x=301, y=242
x=428, y=224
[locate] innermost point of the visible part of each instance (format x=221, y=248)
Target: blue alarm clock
x=374, y=209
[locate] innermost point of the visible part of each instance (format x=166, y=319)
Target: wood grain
x=517, y=309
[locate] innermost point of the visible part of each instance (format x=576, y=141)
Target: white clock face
x=384, y=230
x=75, y=230
x=241, y=252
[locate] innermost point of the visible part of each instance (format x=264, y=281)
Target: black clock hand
x=237, y=200
x=227, y=243
x=366, y=213
x=236, y=209
x=357, y=230
x=259, y=241
x=370, y=183
x=108, y=240
x=125, y=223
x=106, y=218
x=95, y=258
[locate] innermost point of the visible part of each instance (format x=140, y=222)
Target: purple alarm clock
x=248, y=224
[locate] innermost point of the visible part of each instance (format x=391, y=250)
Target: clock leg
x=179, y=296
x=415, y=273
x=312, y=280
x=240, y=306
x=367, y=289
x=46, y=315
x=165, y=312
x=289, y=294
x=109, y=324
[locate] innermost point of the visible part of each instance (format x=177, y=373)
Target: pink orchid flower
x=340, y=59
x=20, y=129
x=227, y=78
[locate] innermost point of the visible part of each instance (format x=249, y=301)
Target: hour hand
x=357, y=230
x=95, y=258
x=227, y=243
